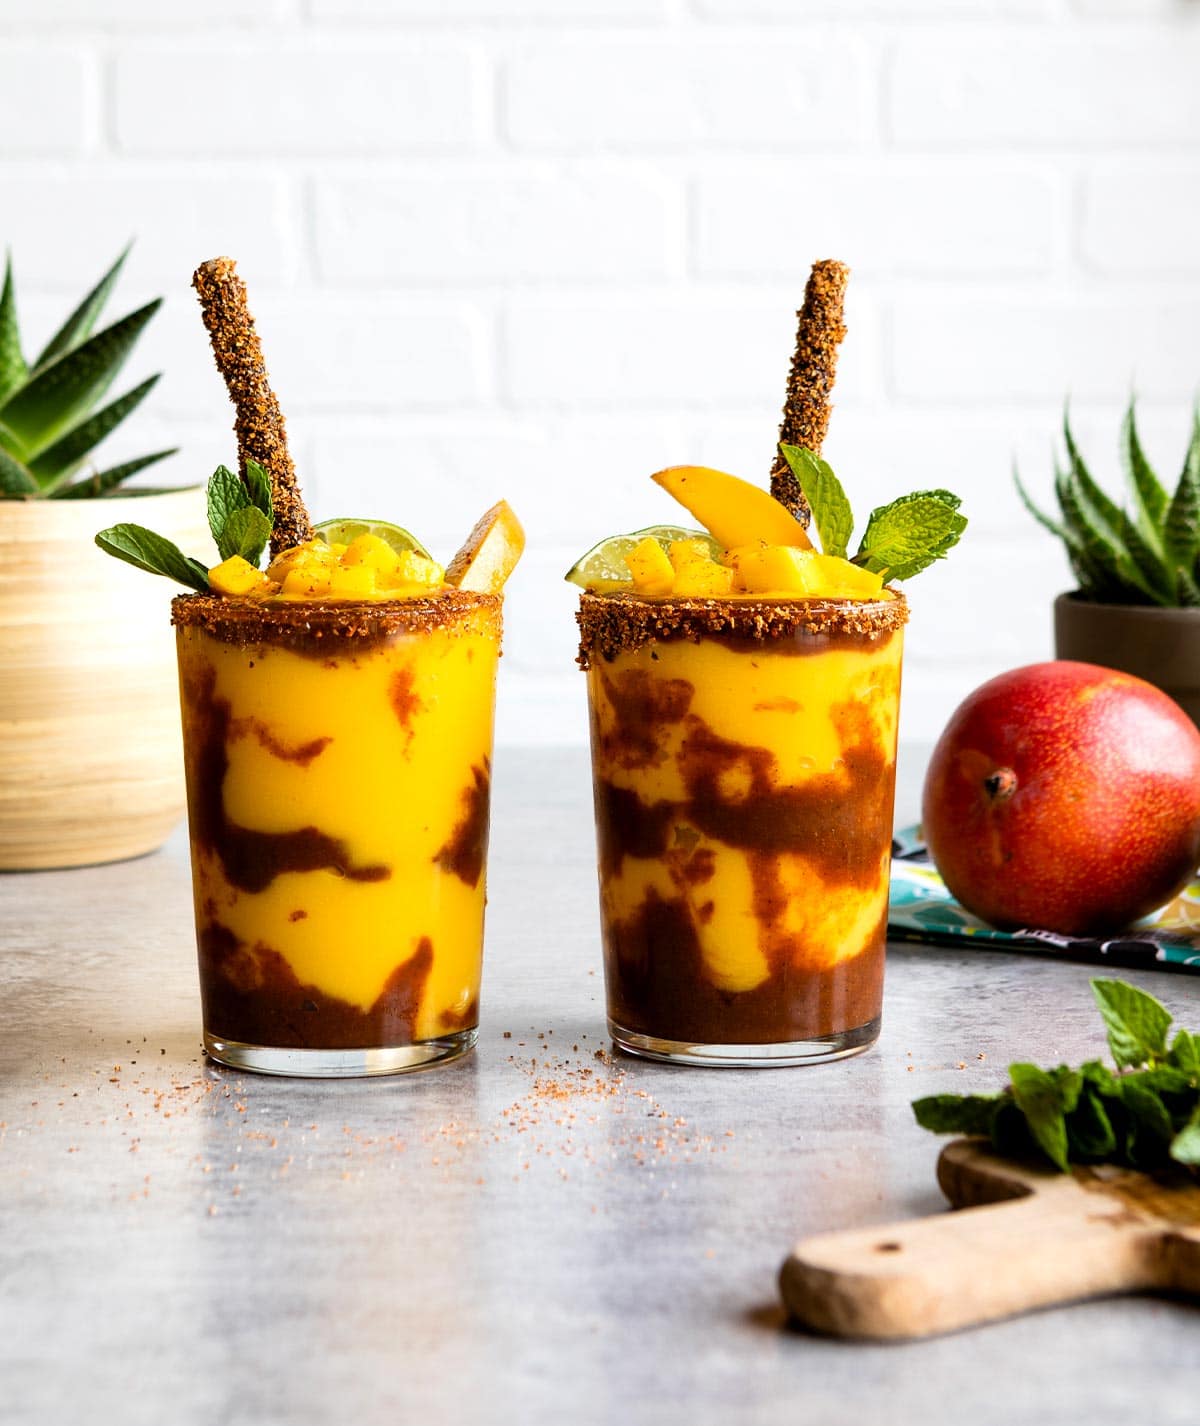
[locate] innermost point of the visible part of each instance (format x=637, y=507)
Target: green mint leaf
x=1010, y=1132
x=906, y=536
x=957, y=1113
x=245, y=533
x=141, y=547
x=1142, y=1117
x=1185, y=1052
x=226, y=493
x=1089, y=1130
x=826, y=498
x=258, y=483
x=1045, y=1097
x=1185, y=1147
x=1137, y=1023
x=1151, y=1129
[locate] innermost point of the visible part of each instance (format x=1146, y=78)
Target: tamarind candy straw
x=260, y=428
x=806, y=408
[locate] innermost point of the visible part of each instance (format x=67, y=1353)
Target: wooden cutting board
x=1028, y=1237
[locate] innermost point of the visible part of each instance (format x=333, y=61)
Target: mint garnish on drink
x=901, y=539
x=240, y=516
x=1145, y=1114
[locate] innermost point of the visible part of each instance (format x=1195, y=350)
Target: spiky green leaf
x=1109, y=572
x=141, y=547
x=1038, y=514
x=1187, y=590
x=16, y=479
x=79, y=324
x=12, y=363
x=1150, y=496
x=104, y=481
x=1181, y=526
x=64, y=457
x=1157, y=576
x=50, y=401
x=1107, y=512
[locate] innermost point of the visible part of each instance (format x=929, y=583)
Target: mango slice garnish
x=490, y=553
x=733, y=510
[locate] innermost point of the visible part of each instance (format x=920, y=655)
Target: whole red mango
x=1067, y=797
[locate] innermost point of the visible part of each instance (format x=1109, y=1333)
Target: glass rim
x=614, y=623
x=303, y=624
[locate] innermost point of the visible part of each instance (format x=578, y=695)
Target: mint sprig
x=154, y=553
x=1145, y=1115
x=901, y=538
x=240, y=516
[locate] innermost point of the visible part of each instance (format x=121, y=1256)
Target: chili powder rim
x=303, y=624
x=610, y=624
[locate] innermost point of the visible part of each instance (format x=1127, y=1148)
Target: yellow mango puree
x=744, y=803
x=338, y=801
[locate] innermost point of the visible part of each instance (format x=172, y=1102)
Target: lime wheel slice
x=605, y=563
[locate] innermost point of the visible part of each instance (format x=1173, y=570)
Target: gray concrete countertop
x=535, y=1233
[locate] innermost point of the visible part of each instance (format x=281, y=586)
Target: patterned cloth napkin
x=921, y=909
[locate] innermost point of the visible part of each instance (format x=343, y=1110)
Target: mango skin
x=1066, y=797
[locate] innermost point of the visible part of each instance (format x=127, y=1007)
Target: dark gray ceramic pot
x=1160, y=645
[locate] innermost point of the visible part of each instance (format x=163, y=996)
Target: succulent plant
x=1148, y=553
x=49, y=424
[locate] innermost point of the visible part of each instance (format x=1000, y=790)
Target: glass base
x=838, y=1046
x=339, y=1064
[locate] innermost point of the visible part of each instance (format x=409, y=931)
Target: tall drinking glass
x=744, y=774
x=338, y=763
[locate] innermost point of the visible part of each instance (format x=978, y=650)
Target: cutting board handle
x=937, y=1274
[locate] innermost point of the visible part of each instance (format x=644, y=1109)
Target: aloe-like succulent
x=1146, y=553
x=49, y=424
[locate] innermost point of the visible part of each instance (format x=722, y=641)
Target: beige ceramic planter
x=91, y=766
x=1160, y=645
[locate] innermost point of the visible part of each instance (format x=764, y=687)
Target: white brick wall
x=541, y=248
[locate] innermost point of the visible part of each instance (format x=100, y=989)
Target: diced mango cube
x=684, y=553
x=314, y=554
x=304, y=582
x=650, y=568
x=412, y=568
x=773, y=569
x=703, y=579
x=238, y=576
x=355, y=581
x=374, y=553
x=843, y=580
